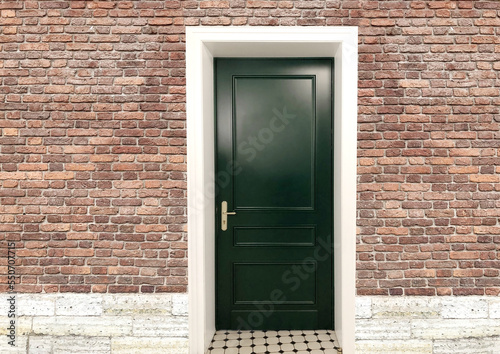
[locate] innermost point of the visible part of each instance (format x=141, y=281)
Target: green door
x=274, y=171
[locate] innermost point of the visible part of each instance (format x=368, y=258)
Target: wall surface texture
x=427, y=325
x=93, y=164
x=97, y=324
x=92, y=107
x=93, y=145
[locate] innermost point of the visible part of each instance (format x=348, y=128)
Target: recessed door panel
x=260, y=282
x=274, y=319
x=274, y=142
x=292, y=236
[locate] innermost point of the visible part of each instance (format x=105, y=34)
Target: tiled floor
x=270, y=342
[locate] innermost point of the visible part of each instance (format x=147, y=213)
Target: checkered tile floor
x=271, y=342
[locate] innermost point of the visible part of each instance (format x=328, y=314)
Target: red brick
x=484, y=178
x=59, y=175
x=383, y=22
x=81, y=46
x=424, y=273
x=8, y=13
x=216, y=4
x=308, y=4
x=415, y=83
x=160, y=21
x=467, y=48
x=59, y=89
x=490, y=91
x=464, y=255
x=129, y=81
x=34, y=47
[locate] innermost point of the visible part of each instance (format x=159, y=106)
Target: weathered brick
x=214, y=4
x=34, y=47
x=160, y=21
x=383, y=22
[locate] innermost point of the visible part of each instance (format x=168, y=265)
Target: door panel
x=274, y=159
x=275, y=236
x=296, y=319
x=254, y=283
x=274, y=169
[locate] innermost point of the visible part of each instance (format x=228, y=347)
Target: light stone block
x=383, y=329
x=41, y=344
x=23, y=325
x=180, y=304
x=36, y=305
x=394, y=347
x=363, y=307
x=466, y=346
x=149, y=345
x=494, y=308
x=83, y=325
x=81, y=345
x=137, y=304
x=495, y=342
x=406, y=307
x=161, y=326
x=4, y=304
x=19, y=348
x=465, y=308
x=454, y=328
x=79, y=305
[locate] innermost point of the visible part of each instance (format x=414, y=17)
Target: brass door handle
x=224, y=214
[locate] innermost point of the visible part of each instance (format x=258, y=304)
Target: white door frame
x=202, y=45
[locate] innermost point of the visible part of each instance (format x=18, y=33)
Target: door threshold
x=275, y=342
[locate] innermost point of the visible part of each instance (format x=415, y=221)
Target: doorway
x=203, y=44
x=274, y=252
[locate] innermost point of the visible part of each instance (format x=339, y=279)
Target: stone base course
x=97, y=323
x=158, y=323
x=434, y=325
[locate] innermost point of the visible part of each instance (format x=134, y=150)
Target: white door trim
x=202, y=45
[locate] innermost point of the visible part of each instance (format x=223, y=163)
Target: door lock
x=224, y=215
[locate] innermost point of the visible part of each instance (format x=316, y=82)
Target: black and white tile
x=274, y=342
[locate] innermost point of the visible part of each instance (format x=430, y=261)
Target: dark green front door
x=274, y=170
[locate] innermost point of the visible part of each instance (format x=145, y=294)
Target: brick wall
x=93, y=145
x=428, y=148
x=92, y=107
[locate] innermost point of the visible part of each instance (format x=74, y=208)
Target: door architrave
x=202, y=45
